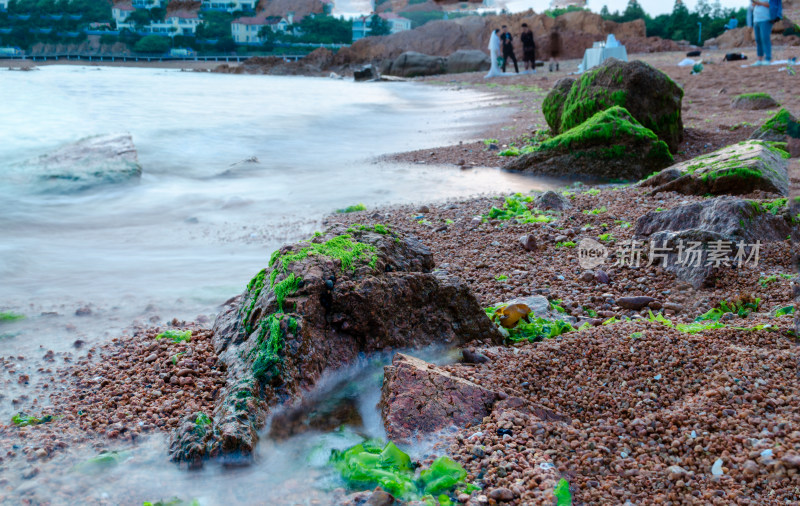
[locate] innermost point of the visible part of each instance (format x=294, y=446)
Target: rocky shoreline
x=637, y=400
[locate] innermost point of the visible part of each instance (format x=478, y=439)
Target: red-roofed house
x=120, y=12
x=178, y=22
x=245, y=30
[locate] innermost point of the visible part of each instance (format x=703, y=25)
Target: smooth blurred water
x=198, y=225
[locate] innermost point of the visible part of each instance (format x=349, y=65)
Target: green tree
x=379, y=26
x=139, y=17
x=322, y=29
x=226, y=44
x=152, y=44
x=215, y=25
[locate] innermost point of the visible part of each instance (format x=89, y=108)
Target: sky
x=652, y=7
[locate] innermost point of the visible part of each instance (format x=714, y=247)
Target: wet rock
x=367, y=73
x=278, y=338
x=528, y=242
x=610, y=144
x=649, y=95
x=418, y=399
x=635, y=303
x=673, y=306
x=553, y=104
x=87, y=163
x=473, y=357
x=380, y=498
x=552, y=200
x=734, y=170
x=83, y=311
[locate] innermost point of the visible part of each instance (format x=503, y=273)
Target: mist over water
x=199, y=224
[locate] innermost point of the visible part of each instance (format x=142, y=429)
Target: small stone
x=635, y=303
x=601, y=277
x=380, y=498
x=528, y=242
x=501, y=494
x=672, y=306
x=750, y=469
x=83, y=311
x=716, y=469
x=587, y=276
x=150, y=358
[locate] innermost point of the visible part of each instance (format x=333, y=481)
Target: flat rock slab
x=734, y=170
x=418, y=399
x=754, y=102
x=634, y=302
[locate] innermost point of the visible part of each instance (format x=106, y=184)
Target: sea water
x=233, y=167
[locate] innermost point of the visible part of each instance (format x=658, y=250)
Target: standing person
x=494, y=52
x=508, y=49
x=762, y=27
x=528, y=48
x=555, y=48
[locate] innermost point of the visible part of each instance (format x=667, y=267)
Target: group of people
x=761, y=16
x=501, y=42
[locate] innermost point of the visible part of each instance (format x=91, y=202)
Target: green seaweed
x=779, y=122
x=754, y=96
x=270, y=343
x=10, y=317
x=172, y=502
x=566, y=244
x=607, y=237
x=352, y=209
x=23, y=420
x=501, y=277
x=562, y=493
x=102, y=462
x=176, y=336
x=764, y=281
x=370, y=464
x=201, y=423
x=784, y=311
x=515, y=207
x=595, y=212
x=740, y=308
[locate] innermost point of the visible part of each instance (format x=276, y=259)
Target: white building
x=149, y=4
x=563, y=4
x=182, y=22
x=361, y=25
x=230, y=5
x=120, y=12
x=246, y=30
x=396, y=23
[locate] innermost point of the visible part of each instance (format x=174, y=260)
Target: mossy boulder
x=776, y=128
x=610, y=145
x=553, y=104
x=317, y=306
x=734, y=170
x=754, y=102
x=648, y=94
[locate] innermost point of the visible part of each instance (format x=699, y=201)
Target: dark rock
x=418, y=399
x=738, y=169
x=273, y=351
x=380, y=498
x=473, y=357
x=635, y=303
x=501, y=494
x=754, y=102
x=609, y=145
x=467, y=60
x=552, y=200
x=587, y=276
x=726, y=219
x=601, y=277
x=413, y=64
x=648, y=94
x=528, y=242
x=365, y=74
x=83, y=311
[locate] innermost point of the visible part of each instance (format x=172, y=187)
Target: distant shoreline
x=7, y=64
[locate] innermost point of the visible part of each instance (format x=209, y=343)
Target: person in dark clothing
x=528, y=48
x=508, y=49
x=555, y=49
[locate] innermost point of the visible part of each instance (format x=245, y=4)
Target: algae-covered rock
x=610, y=145
x=553, y=104
x=754, y=102
x=735, y=170
x=775, y=128
x=316, y=307
x=648, y=94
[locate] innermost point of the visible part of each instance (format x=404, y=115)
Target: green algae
x=10, y=317
x=604, y=129
x=172, y=502
x=23, y=420
x=352, y=209
x=201, y=423
x=562, y=493
x=529, y=328
x=176, y=336
x=371, y=463
x=270, y=344
x=516, y=207
x=566, y=244
x=754, y=96
x=102, y=462
x=341, y=248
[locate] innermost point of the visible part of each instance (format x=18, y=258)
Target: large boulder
x=316, y=307
x=413, y=64
x=467, y=60
x=553, y=104
x=736, y=170
x=610, y=145
x=648, y=94
x=723, y=222
x=775, y=129
x=419, y=399
x=87, y=163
